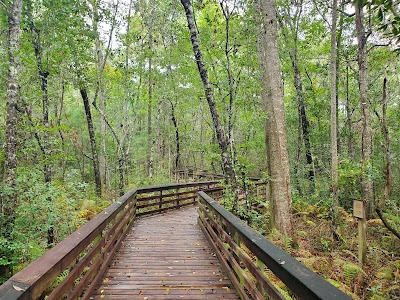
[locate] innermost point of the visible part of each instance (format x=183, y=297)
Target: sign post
x=359, y=213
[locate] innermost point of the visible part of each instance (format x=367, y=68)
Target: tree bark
x=177, y=139
x=304, y=129
x=367, y=192
x=43, y=75
x=231, y=81
x=385, y=132
x=150, y=142
x=349, y=112
x=272, y=95
x=9, y=199
x=229, y=172
x=388, y=172
x=334, y=143
x=103, y=161
x=95, y=157
x=305, y=124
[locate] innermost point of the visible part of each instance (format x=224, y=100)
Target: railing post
x=161, y=197
x=134, y=200
x=177, y=197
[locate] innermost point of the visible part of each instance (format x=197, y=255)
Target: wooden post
x=160, y=205
x=359, y=213
x=177, y=197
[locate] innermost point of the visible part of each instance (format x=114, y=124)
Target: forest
x=100, y=96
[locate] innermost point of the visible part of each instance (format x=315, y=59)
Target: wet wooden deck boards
x=165, y=257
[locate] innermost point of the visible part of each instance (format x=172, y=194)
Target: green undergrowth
x=62, y=205
x=314, y=245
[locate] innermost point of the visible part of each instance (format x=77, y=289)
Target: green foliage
x=349, y=179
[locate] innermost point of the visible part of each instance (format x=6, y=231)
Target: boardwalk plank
x=165, y=257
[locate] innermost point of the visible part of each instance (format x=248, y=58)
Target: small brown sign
x=358, y=209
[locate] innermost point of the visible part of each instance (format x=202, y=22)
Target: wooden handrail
x=83, y=256
x=230, y=236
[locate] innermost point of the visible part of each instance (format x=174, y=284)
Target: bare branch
x=4, y=5
x=387, y=225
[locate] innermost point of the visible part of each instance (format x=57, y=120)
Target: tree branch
x=4, y=5
x=387, y=225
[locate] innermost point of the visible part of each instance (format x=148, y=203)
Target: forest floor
x=313, y=244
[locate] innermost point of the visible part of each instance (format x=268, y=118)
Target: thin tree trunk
x=102, y=96
x=231, y=93
x=150, y=141
x=366, y=183
x=334, y=143
x=272, y=95
x=338, y=47
x=350, y=146
x=95, y=157
x=43, y=75
x=297, y=161
x=305, y=125
x=58, y=115
x=388, y=184
x=367, y=192
x=221, y=136
x=177, y=139
x=385, y=132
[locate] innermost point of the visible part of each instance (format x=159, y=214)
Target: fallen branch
x=387, y=225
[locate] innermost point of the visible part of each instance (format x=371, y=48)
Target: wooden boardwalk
x=165, y=257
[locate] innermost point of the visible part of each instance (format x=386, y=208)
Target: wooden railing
x=247, y=255
x=72, y=268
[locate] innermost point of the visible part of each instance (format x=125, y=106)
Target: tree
x=209, y=94
x=92, y=138
x=334, y=124
x=272, y=95
x=367, y=191
x=150, y=141
x=43, y=76
x=293, y=23
x=8, y=199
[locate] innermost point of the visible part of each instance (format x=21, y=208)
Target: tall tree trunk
x=366, y=183
x=349, y=112
x=305, y=124
x=95, y=157
x=231, y=90
x=43, y=75
x=177, y=139
x=385, y=132
x=388, y=172
x=304, y=129
x=150, y=143
x=58, y=116
x=272, y=95
x=103, y=162
x=367, y=192
x=221, y=136
x=339, y=35
x=8, y=201
x=334, y=143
